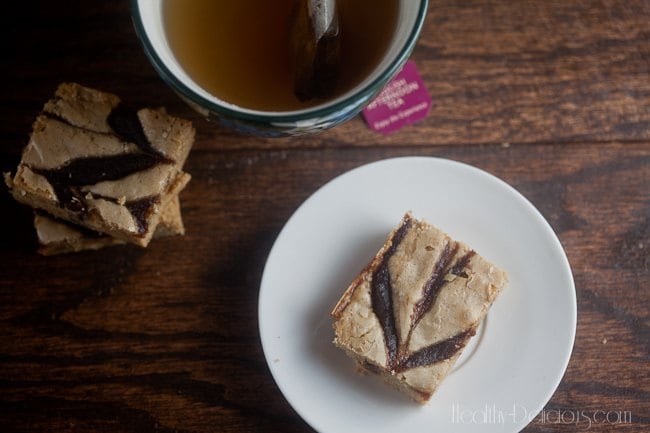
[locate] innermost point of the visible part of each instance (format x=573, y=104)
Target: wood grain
x=552, y=97
x=499, y=72
x=168, y=335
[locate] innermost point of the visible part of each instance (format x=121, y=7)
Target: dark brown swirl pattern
x=67, y=179
x=398, y=359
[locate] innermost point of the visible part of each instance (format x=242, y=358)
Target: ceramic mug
x=149, y=25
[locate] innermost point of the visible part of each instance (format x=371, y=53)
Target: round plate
x=512, y=368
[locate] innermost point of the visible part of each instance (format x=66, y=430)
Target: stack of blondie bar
x=99, y=173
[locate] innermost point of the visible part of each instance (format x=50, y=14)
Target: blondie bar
x=408, y=315
x=56, y=236
x=94, y=162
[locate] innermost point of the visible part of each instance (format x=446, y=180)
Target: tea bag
x=315, y=48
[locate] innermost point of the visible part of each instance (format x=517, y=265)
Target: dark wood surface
x=551, y=96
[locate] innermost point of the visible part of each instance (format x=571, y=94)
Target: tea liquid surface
x=238, y=50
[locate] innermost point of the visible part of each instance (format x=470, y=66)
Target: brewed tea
x=239, y=50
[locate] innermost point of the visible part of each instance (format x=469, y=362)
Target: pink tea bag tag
x=403, y=101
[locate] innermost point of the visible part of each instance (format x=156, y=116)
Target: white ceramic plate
x=513, y=367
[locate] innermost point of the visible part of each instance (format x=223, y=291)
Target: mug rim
x=366, y=92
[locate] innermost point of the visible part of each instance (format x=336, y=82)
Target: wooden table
x=551, y=96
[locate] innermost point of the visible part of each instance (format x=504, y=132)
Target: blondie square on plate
x=94, y=162
x=408, y=315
